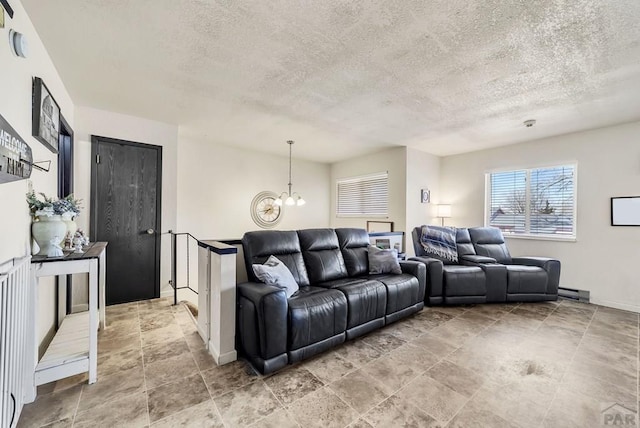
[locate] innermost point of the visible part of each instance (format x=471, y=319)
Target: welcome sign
x=15, y=154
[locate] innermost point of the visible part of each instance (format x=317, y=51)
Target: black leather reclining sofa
x=486, y=272
x=338, y=299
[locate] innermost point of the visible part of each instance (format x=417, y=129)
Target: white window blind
x=508, y=195
x=539, y=201
x=363, y=196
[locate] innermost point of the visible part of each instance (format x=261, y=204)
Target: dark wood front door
x=125, y=211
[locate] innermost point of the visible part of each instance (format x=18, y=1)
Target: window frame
x=338, y=181
x=528, y=235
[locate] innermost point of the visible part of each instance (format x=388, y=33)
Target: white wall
x=394, y=161
x=423, y=172
x=216, y=184
x=15, y=106
x=90, y=121
x=604, y=258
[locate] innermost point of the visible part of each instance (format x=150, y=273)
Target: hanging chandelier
x=287, y=197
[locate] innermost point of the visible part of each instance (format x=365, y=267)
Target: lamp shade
x=443, y=211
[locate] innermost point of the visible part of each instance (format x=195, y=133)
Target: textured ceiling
x=346, y=77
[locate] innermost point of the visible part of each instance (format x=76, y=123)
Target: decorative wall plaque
x=15, y=154
x=46, y=116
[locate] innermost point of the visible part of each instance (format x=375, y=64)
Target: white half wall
x=603, y=260
x=90, y=121
x=423, y=172
x=394, y=161
x=15, y=106
x=216, y=184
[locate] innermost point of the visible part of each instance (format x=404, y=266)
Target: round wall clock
x=264, y=212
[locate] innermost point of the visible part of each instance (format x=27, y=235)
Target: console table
x=74, y=348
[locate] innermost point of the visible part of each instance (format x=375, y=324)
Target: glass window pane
x=552, y=201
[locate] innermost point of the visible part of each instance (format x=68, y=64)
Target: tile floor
x=517, y=365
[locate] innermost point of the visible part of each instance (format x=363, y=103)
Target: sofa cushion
x=315, y=314
x=353, y=245
x=402, y=290
x=489, y=242
x=464, y=281
x=274, y=272
x=383, y=261
x=366, y=301
x=258, y=246
x=322, y=255
x=526, y=280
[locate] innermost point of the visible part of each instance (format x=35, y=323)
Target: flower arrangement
x=48, y=207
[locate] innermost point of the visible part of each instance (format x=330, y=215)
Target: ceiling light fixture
x=529, y=123
x=291, y=198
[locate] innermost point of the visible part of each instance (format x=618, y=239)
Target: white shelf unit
x=68, y=353
x=74, y=348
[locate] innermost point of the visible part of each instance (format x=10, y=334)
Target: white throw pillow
x=274, y=272
x=383, y=261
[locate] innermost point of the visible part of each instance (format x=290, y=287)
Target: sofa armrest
x=262, y=319
x=496, y=277
x=418, y=270
x=474, y=259
x=434, y=276
x=551, y=266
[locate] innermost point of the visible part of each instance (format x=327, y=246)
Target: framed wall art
x=425, y=196
x=379, y=226
x=625, y=211
x=5, y=4
x=46, y=116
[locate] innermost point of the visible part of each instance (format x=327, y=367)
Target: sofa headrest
x=322, y=256
x=489, y=242
x=352, y=237
x=415, y=237
x=463, y=241
x=486, y=235
x=354, y=244
x=318, y=239
x=285, y=245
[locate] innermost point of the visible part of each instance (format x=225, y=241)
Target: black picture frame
x=425, y=196
x=7, y=7
x=625, y=211
x=379, y=226
x=46, y=116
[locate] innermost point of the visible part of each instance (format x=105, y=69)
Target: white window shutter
x=363, y=196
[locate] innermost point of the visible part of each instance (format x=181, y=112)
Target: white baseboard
x=225, y=358
x=82, y=307
x=615, y=305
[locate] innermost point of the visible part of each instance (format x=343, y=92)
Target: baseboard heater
x=574, y=294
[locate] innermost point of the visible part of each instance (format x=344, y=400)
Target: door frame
x=95, y=140
x=65, y=160
x=65, y=188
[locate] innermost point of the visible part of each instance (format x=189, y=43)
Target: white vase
x=68, y=220
x=46, y=230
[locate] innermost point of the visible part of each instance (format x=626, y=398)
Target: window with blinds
x=366, y=196
x=539, y=201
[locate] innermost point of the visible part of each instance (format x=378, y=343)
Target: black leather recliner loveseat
x=337, y=298
x=486, y=272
